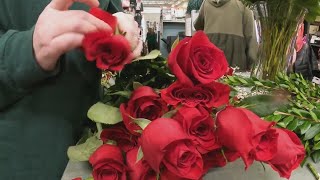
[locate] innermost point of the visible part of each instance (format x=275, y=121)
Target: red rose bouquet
x=177, y=122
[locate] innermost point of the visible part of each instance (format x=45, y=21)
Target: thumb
x=63, y=5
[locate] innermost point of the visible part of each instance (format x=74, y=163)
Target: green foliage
x=153, y=73
x=141, y=122
x=82, y=152
x=285, y=6
x=152, y=55
x=291, y=101
x=105, y=114
x=140, y=154
x=263, y=105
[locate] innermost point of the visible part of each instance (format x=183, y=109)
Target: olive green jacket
x=230, y=26
x=41, y=113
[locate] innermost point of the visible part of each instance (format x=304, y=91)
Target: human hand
x=129, y=26
x=59, y=30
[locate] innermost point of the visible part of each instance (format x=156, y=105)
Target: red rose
x=229, y=71
x=110, y=51
x=199, y=126
x=215, y=159
x=167, y=175
x=104, y=16
x=143, y=103
x=166, y=145
x=265, y=137
x=209, y=95
x=125, y=140
x=107, y=163
x=241, y=131
x=289, y=155
x=139, y=170
x=197, y=60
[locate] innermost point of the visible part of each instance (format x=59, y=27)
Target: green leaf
x=136, y=85
x=87, y=133
x=126, y=94
x=316, y=156
x=277, y=118
x=317, y=111
x=152, y=55
x=143, y=123
x=170, y=114
x=175, y=43
x=139, y=155
x=82, y=152
x=263, y=105
x=313, y=131
x=258, y=83
x=317, y=137
x=297, y=111
x=243, y=81
x=111, y=142
x=316, y=146
x=313, y=115
x=287, y=120
x=105, y=114
x=293, y=125
x=232, y=79
x=305, y=127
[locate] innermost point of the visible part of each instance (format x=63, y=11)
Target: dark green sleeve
x=19, y=71
x=115, y=6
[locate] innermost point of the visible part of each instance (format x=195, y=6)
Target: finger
x=67, y=42
x=79, y=22
x=133, y=39
x=81, y=27
x=129, y=16
x=65, y=4
x=78, y=14
x=137, y=52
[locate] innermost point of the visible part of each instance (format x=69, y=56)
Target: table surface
x=233, y=171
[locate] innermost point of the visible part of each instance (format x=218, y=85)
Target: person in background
x=193, y=5
x=230, y=26
x=46, y=84
x=152, y=40
x=305, y=61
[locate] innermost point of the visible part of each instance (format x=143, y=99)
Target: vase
x=277, y=26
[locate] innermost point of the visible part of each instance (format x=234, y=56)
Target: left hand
x=129, y=26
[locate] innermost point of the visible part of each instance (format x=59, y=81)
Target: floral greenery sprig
x=292, y=102
x=313, y=6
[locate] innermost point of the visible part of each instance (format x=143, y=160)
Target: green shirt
x=41, y=113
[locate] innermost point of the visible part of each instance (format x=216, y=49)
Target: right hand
x=59, y=30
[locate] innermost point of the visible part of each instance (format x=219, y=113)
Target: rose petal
x=107, y=158
x=194, y=120
x=139, y=170
x=234, y=131
x=104, y=16
x=131, y=126
x=210, y=95
x=143, y=103
x=183, y=160
x=290, y=153
x=125, y=140
x=265, y=139
x=155, y=144
x=174, y=61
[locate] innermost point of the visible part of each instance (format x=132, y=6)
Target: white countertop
x=233, y=171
